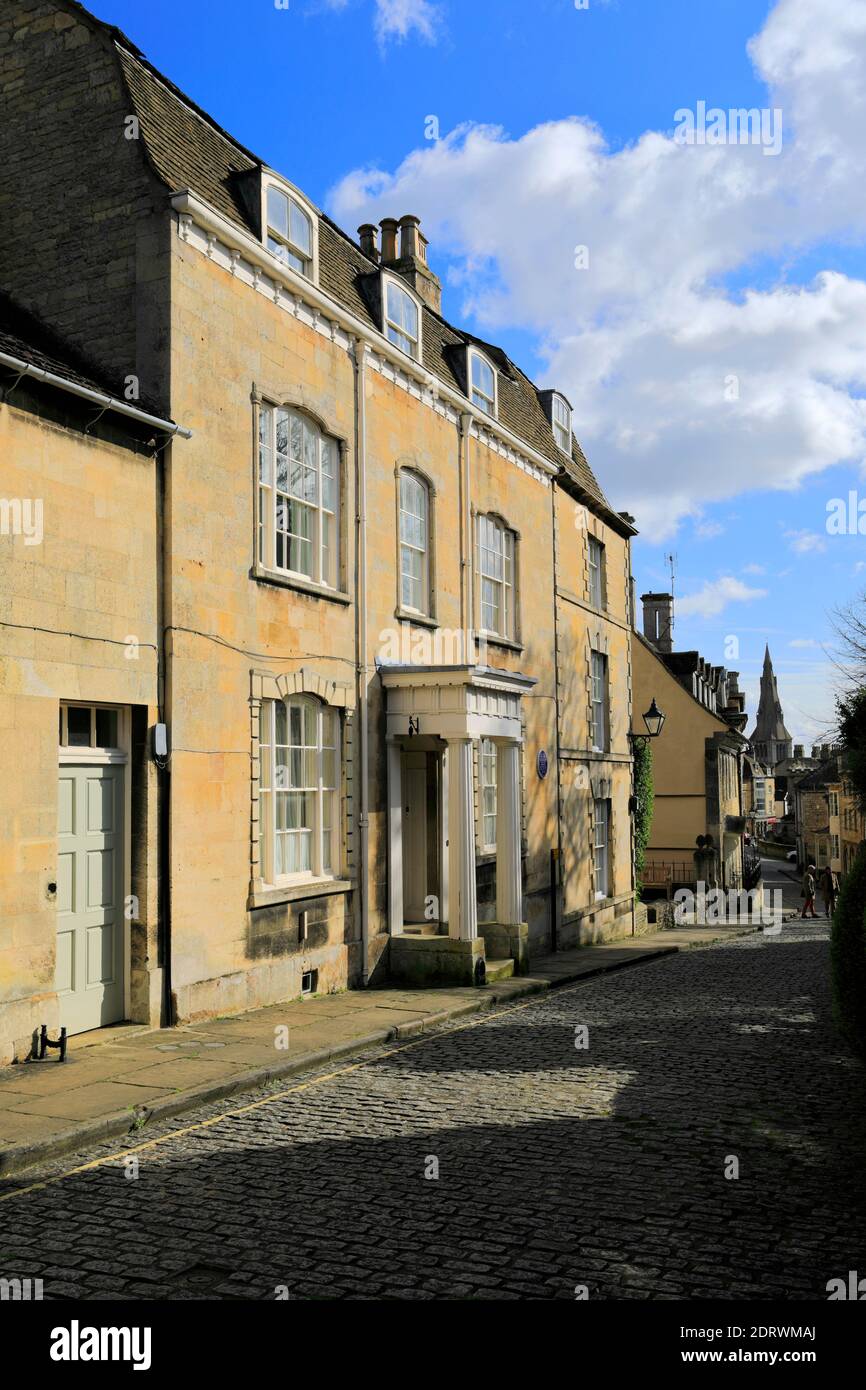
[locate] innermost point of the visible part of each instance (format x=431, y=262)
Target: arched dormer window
x=401, y=317
x=481, y=376
x=290, y=227
x=561, y=422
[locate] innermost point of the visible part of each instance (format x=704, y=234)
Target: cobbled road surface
x=558, y=1166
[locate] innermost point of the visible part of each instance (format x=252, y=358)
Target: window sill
x=488, y=639
x=293, y=892
x=304, y=586
x=409, y=615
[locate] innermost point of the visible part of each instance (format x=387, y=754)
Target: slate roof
x=187, y=149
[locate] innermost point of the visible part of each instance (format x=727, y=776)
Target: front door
x=414, y=836
x=90, y=936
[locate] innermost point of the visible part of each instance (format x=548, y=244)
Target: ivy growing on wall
x=643, y=819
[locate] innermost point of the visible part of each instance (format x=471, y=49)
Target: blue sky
x=704, y=263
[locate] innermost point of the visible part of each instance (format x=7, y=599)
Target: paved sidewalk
x=117, y=1079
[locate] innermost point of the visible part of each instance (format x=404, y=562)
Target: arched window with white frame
x=415, y=592
x=402, y=318
x=299, y=796
x=496, y=578
x=299, y=496
x=290, y=231
x=482, y=382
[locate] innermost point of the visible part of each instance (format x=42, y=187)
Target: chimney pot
x=388, y=227
x=799, y=750
x=412, y=243
x=367, y=237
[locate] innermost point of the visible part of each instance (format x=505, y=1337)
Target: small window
x=414, y=543
x=402, y=319
x=89, y=726
x=600, y=848
x=496, y=578
x=596, y=573
x=298, y=497
x=600, y=712
x=290, y=231
x=561, y=413
x=482, y=380
x=488, y=794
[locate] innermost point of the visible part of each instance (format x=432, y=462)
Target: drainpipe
x=362, y=898
x=164, y=772
x=556, y=856
x=466, y=604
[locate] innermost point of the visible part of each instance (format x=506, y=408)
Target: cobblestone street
x=558, y=1166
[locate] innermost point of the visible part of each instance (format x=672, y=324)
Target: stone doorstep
x=42, y=1136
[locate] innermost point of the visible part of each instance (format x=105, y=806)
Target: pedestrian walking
x=807, y=893
x=828, y=890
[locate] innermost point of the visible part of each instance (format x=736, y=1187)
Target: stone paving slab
x=117, y=1077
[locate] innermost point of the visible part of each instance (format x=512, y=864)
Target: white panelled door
x=90, y=935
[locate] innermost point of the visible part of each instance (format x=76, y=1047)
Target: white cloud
x=805, y=542
x=672, y=378
x=803, y=642
x=398, y=19
x=754, y=569
x=708, y=530
x=715, y=596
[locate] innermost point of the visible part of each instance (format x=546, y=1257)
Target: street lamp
x=654, y=720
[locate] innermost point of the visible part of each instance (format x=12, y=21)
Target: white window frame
x=309, y=257
x=390, y=325
x=308, y=765
x=563, y=426
x=323, y=460
x=597, y=595
x=85, y=750
x=489, y=404
x=601, y=847
x=488, y=780
x=599, y=701
x=487, y=525
x=409, y=545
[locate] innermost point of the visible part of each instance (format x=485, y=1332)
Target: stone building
x=349, y=641
x=698, y=757
x=812, y=813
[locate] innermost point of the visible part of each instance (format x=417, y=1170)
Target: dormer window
x=290, y=234
x=561, y=421
x=402, y=319
x=482, y=383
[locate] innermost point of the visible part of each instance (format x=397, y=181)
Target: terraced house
x=320, y=674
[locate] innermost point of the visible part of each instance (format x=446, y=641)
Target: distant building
x=698, y=759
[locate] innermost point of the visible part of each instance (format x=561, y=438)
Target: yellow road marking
x=269, y=1100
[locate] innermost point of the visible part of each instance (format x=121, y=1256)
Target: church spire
x=771, y=741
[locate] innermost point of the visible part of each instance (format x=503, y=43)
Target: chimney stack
x=411, y=261
x=367, y=236
x=658, y=620
x=799, y=750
